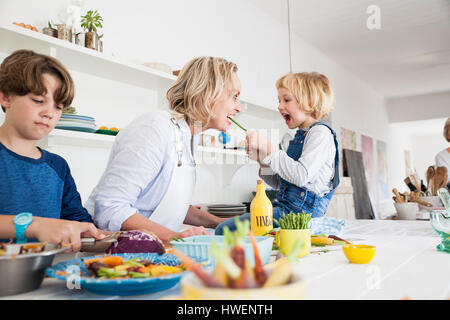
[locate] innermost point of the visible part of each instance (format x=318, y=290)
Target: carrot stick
x=260, y=274
x=207, y=279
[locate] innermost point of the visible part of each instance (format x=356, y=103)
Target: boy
x=34, y=89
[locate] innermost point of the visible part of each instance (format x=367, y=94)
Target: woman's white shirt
x=315, y=168
x=442, y=159
x=139, y=169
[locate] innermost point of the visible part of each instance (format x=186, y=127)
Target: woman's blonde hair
x=198, y=87
x=446, y=128
x=312, y=92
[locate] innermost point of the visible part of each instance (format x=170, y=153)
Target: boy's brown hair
x=21, y=73
x=312, y=91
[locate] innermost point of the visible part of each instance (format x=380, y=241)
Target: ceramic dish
x=108, y=132
x=192, y=289
x=75, y=116
x=359, y=253
x=198, y=247
x=118, y=287
x=82, y=129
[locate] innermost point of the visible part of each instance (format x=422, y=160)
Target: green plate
x=110, y=132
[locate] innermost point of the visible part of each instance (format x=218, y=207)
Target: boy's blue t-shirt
x=41, y=186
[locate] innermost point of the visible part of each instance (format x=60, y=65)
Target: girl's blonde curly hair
x=311, y=90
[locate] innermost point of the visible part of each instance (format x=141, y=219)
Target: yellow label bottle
x=261, y=211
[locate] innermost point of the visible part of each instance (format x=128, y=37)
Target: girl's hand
x=259, y=146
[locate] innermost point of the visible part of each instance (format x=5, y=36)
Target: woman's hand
x=62, y=231
x=194, y=231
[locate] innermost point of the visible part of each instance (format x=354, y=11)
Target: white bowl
x=406, y=210
x=435, y=201
x=193, y=289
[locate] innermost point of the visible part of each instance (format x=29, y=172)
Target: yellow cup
x=286, y=238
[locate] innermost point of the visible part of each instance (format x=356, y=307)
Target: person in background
x=442, y=159
x=307, y=174
x=151, y=173
x=36, y=186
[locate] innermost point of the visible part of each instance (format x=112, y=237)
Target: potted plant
x=64, y=32
x=294, y=227
x=90, y=22
x=100, y=43
x=50, y=30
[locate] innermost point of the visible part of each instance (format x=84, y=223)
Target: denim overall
x=294, y=198
x=298, y=199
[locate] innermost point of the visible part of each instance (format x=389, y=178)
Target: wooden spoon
x=430, y=175
x=438, y=179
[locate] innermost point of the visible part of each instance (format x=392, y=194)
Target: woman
x=442, y=159
x=150, y=176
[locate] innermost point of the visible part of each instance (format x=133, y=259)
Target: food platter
x=79, y=274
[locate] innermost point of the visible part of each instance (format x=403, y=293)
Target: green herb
x=237, y=237
x=237, y=124
x=178, y=239
x=294, y=221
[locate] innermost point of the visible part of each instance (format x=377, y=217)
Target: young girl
x=307, y=173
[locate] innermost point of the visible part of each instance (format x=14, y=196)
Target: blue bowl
x=198, y=247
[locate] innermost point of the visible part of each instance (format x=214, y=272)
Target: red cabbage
x=137, y=242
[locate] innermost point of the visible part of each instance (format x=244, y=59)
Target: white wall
x=175, y=31
x=419, y=107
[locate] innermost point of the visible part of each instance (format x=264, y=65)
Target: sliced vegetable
x=220, y=274
x=223, y=259
x=236, y=241
x=283, y=268
x=207, y=279
x=111, y=261
x=260, y=274
x=163, y=270
x=111, y=273
x=339, y=239
x=138, y=274
x=322, y=240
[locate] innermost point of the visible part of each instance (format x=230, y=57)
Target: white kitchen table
x=406, y=265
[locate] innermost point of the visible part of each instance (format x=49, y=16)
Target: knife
x=108, y=239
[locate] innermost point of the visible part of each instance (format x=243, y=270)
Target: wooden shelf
x=87, y=139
